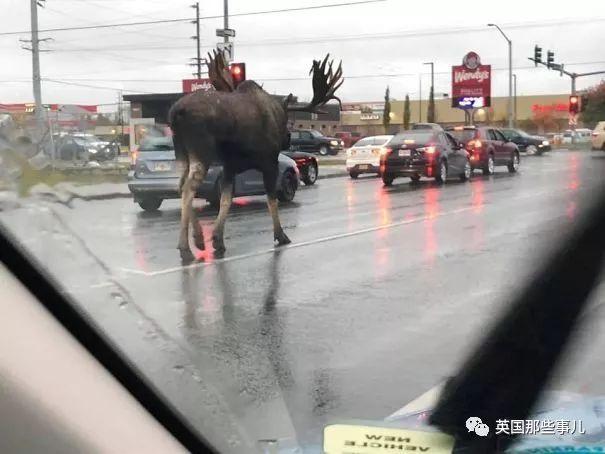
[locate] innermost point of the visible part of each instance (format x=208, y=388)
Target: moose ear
x=287, y=100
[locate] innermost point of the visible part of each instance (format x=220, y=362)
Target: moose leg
x=197, y=172
x=269, y=180
x=219, y=224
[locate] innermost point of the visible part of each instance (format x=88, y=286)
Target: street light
x=510, y=75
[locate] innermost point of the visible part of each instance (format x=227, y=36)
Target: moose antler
x=325, y=85
x=219, y=73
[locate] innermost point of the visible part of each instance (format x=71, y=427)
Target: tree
x=406, y=113
x=386, y=114
x=430, y=112
x=593, y=109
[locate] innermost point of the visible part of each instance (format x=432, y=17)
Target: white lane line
x=328, y=238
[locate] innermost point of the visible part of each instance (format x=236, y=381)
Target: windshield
x=267, y=296
x=156, y=144
x=419, y=137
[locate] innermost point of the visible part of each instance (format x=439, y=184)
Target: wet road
x=380, y=296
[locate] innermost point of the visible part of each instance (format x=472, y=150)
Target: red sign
x=471, y=80
x=190, y=85
x=558, y=107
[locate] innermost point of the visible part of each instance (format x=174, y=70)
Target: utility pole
x=510, y=75
x=515, y=99
x=35, y=50
x=226, y=18
x=198, y=59
x=420, y=99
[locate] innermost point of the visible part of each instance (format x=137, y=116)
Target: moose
x=241, y=128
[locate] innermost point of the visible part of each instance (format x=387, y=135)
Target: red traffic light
x=574, y=104
x=238, y=73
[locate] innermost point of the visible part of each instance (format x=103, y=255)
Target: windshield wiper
x=503, y=377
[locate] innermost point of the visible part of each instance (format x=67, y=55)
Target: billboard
x=190, y=85
x=471, y=83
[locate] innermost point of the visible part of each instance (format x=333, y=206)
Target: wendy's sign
x=471, y=81
x=190, y=85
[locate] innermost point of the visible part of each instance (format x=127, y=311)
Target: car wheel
x=353, y=175
x=441, y=176
x=531, y=150
x=150, y=203
x=323, y=150
x=310, y=176
x=415, y=178
x=466, y=174
x=488, y=168
x=513, y=165
x=387, y=180
x=288, y=187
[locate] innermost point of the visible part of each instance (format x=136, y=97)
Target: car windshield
x=463, y=135
x=267, y=296
x=156, y=144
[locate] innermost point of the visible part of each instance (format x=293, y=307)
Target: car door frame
x=505, y=147
x=497, y=145
x=307, y=142
x=458, y=151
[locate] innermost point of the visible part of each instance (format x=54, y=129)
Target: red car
x=487, y=147
x=349, y=138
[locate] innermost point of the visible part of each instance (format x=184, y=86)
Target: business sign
x=471, y=83
x=190, y=85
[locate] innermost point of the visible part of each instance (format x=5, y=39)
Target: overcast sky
x=153, y=58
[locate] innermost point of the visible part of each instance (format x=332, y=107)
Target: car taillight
x=430, y=150
x=595, y=134
x=384, y=151
x=350, y=152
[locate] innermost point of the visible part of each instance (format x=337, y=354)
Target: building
x=540, y=113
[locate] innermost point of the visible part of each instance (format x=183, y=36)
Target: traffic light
x=574, y=104
x=550, y=58
x=238, y=73
x=537, y=55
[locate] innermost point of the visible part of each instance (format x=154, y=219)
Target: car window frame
x=500, y=136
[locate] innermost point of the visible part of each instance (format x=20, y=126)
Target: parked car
x=432, y=126
x=428, y=153
x=156, y=176
x=488, y=148
x=313, y=141
x=532, y=145
x=364, y=156
x=307, y=165
x=581, y=135
x=348, y=138
x=598, y=136
x=83, y=147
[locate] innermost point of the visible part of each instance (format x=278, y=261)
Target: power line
x=62, y=82
x=188, y=19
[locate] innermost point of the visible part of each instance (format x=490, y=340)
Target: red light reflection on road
x=350, y=205
x=571, y=210
x=477, y=200
x=207, y=255
x=431, y=210
x=574, y=180
x=383, y=200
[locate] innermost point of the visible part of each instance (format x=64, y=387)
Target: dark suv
x=313, y=141
x=427, y=153
x=488, y=148
x=526, y=143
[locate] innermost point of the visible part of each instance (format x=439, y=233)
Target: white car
x=598, y=136
x=364, y=155
x=582, y=135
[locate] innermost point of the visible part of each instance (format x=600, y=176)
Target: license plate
x=404, y=153
x=162, y=166
x=364, y=167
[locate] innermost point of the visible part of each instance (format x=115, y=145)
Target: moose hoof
x=199, y=242
x=282, y=238
x=218, y=245
x=186, y=255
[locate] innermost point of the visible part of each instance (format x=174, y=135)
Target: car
x=532, y=145
x=580, y=135
x=83, y=147
x=313, y=141
x=348, y=138
x=307, y=166
x=598, y=136
x=433, y=126
x=428, y=153
x=156, y=174
x=488, y=148
x=364, y=155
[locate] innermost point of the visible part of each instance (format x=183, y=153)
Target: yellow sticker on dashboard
x=352, y=439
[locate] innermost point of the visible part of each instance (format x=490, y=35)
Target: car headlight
x=92, y=150
x=334, y=142
x=545, y=143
